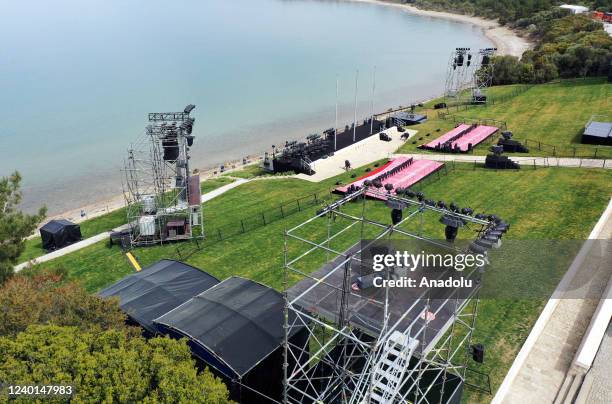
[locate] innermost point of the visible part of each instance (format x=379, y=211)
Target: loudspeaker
x=478, y=352
x=451, y=233
x=396, y=216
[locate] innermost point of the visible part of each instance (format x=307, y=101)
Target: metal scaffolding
x=483, y=76
x=162, y=194
x=459, y=77
x=385, y=346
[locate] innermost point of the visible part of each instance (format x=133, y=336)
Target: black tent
x=157, y=289
x=59, y=233
x=598, y=133
x=236, y=327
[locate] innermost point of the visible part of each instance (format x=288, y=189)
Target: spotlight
x=396, y=216
x=409, y=193
x=481, y=216
x=454, y=207
x=367, y=183
x=441, y=205
x=478, y=249
x=420, y=196
x=389, y=187
x=430, y=202
x=399, y=191
x=452, y=224
x=467, y=211
x=189, y=108
x=377, y=184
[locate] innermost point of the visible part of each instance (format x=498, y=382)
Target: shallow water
x=78, y=78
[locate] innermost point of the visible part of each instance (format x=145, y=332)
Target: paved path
x=105, y=235
x=523, y=160
x=539, y=371
x=599, y=378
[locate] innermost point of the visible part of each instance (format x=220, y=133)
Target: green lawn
x=109, y=221
x=552, y=114
x=547, y=203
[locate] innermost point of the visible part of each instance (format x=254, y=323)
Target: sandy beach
x=506, y=41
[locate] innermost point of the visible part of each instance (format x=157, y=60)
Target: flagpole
x=372, y=102
x=355, y=117
x=336, y=124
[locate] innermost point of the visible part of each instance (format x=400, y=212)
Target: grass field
x=540, y=204
x=553, y=114
x=106, y=222
x=548, y=203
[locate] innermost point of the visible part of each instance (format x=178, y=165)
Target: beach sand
x=506, y=41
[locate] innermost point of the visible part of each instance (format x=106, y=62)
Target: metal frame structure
x=162, y=195
x=357, y=359
x=483, y=76
x=458, y=77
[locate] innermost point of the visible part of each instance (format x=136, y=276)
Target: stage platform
x=359, y=154
x=401, y=172
x=461, y=138
x=408, y=118
x=365, y=308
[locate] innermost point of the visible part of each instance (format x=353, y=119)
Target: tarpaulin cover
x=157, y=289
x=238, y=321
x=59, y=233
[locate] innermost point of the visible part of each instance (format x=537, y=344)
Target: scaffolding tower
x=162, y=195
x=483, y=76
x=364, y=346
x=459, y=77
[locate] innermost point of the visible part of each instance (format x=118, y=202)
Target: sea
x=77, y=79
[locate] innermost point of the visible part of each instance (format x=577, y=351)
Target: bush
x=108, y=366
x=44, y=299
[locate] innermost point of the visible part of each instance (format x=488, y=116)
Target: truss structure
x=483, y=76
x=162, y=194
x=459, y=77
x=343, y=345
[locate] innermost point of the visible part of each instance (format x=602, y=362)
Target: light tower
x=483, y=76
x=162, y=194
x=458, y=77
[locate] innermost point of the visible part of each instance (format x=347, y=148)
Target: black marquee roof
x=239, y=321
x=157, y=289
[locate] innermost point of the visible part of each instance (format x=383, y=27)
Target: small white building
x=575, y=9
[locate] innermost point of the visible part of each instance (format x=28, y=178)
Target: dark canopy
x=598, y=133
x=239, y=322
x=157, y=289
x=59, y=233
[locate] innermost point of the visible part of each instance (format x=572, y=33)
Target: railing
x=595, y=152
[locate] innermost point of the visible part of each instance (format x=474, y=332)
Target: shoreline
x=506, y=41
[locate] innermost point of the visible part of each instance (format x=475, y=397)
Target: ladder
x=390, y=370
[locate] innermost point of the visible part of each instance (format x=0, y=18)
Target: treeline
x=566, y=45
x=570, y=46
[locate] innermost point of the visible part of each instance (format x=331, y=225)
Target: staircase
x=390, y=370
x=306, y=165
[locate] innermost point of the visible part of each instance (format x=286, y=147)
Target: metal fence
x=594, y=152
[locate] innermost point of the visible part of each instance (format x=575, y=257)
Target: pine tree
x=15, y=225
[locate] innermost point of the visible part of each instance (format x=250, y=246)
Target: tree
x=108, y=366
x=15, y=225
x=45, y=299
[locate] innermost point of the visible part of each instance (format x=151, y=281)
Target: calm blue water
x=78, y=78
